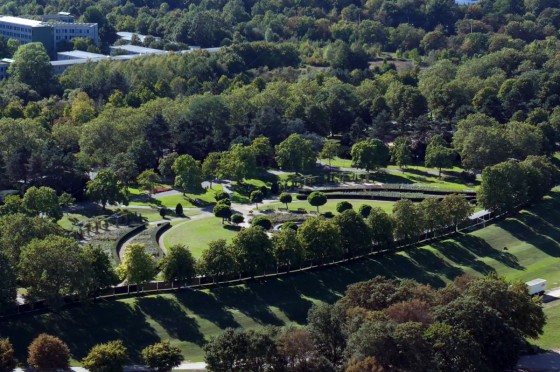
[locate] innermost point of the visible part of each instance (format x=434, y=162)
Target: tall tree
x=148, y=180
x=456, y=209
x=400, y=152
x=370, y=155
x=32, y=66
x=106, y=189
x=320, y=238
x=287, y=249
x=296, y=154
x=217, y=261
x=355, y=234
x=8, y=278
x=178, y=264
x=188, y=174
x=326, y=329
x=54, y=267
x=39, y=200
x=137, y=266
x=407, y=219
x=252, y=250
x=329, y=151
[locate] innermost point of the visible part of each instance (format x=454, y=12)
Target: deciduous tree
x=106, y=189
x=178, y=264
x=47, y=353
x=110, y=356
x=162, y=356
x=137, y=266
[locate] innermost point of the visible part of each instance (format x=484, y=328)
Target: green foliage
x=217, y=261
x=365, y=210
x=370, y=155
x=262, y=221
x=137, y=267
x=285, y=198
x=237, y=218
x=148, y=180
x=178, y=264
x=31, y=66
x=179, y=210
x=316, y=199
x=354, y=233
x=53, y=267
x=8, y=277
x=295, y=154
x=256, y=197
x=381, y=226
x=320, y=238
x=287, y=248
x=42, y=200
x=105, y=189
x=108, y=357
x=343, y=206
x=162, y=356
x=188, y=174
x=252, y=250
x=222, y=211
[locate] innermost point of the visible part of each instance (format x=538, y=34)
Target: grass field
x=387, y=206
x=197, y=234
x=170, y=201
x=189, y=319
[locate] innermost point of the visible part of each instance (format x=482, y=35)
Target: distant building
x=78, y=54
x=50, y=34
x=134, y=49
x=4, y=69
x=59, y=17
x=124, y=35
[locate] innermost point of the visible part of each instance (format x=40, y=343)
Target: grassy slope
x=197, y=234
x=331, y=205
x=189, y=318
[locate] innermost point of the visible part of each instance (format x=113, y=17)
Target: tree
x=320, y=239
x=7, y=360
x=39, y=200
x=8, y=294
x=66, y=200
x=262, y=221
x=238, y=163
x=252, y=250
x=453, y=349
x=297, y=349
x=53, y=267
x=179, y=210
x=407, y=220
x=295, y=154
x=264, y=153
x=105, y=189
x=287, y=249
x=223, y=211
x=188, y=174
x=108, y=357
x=178, y=264
x=217, y=260
x=32, y=66
x=433, y=214
x=211, y=166
x=46, y=353
x=483, y=147
x=148, y=180
x=369, y=364
x=125, y=168
x=165, y=166
x=365, y=210
x=370, y=155
x=162, y=356
x=355, y=234
x=439, y=157
x=316, y=199
x=503, y=187
x=329, y=151
x=102, y=273
x=400, y=152
x=456, y=209
x=285, y=198
x=237, y=218
x=137, y=266
x=325, y=324
x=256, y=197
x=343, y=206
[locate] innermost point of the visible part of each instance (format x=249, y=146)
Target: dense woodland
x=402, y=82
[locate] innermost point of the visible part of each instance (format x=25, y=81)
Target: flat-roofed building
x=78, y=54
x=50, y=34
x=135, y=49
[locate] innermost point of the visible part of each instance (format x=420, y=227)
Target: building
x=50, y=34
x=4, y=64
x=59, y=17
x=78, y=54
x=135, y=49
x=127, y=36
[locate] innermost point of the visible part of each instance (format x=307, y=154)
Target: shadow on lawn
x=481, y=248
x=83, y=327
x=207, y=307
x=172, y=318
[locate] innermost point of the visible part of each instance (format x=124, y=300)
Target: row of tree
x=472, y=324
x=47, y=353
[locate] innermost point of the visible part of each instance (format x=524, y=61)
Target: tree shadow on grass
x=536, y=231
x=248, y=302
x=462, y=256
x=172, y=318
x=481, y=248
x=429, y=262
x=386, y=177
x=83, y=327
x=207, y=307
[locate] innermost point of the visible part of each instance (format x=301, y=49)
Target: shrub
x=237, y=218
x=162, y=356
x=274, y=188
x=342, y=206
x=290, y=225
x=365, y=210
x=179, y=210
x=301, y=197
x=262, y=221
x=47, y=352
x=221, y=195
x=108, y=357
x=328, y=214
x=7, y=361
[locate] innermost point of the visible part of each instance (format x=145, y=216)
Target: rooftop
x=128, y=36
x=69, y=62
x=21, y=21
x=137, y=49
x=79, y=54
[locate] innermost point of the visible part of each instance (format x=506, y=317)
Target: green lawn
x=189, y=319
x=170, y=201
x=387, y=206
x=197, y=234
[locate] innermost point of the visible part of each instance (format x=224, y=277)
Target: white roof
x=21, y=21
x=70, y=62
x=80, y=54
x=535, y=282
x=137, y=49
